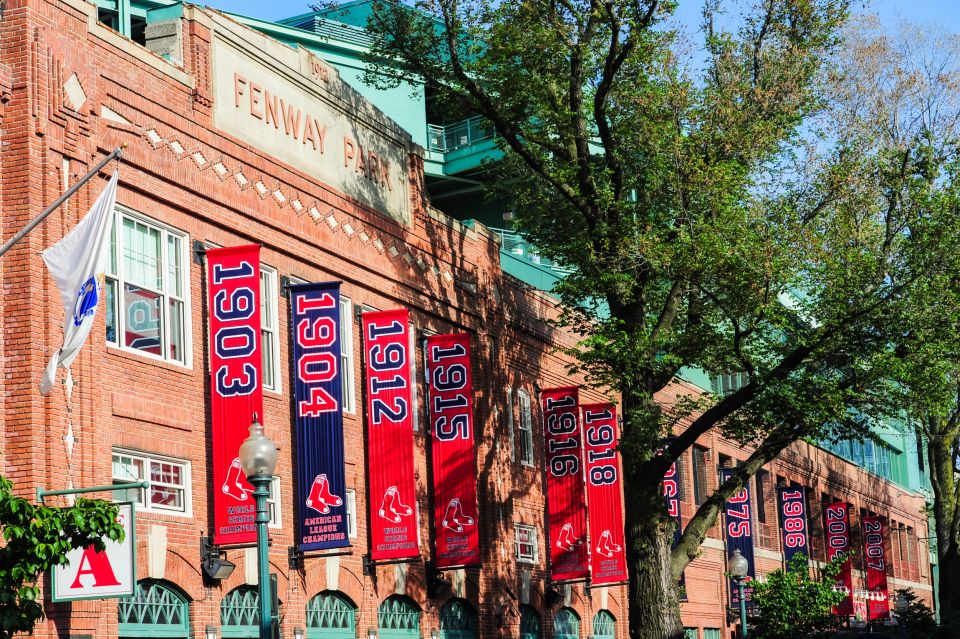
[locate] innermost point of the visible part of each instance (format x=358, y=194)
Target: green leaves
x=792, y=605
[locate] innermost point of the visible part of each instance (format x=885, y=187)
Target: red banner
x=878, y=598
x=392, y=497
x=567, y=511
x=608, y=562
x=837, y=525
x=450, y=383
x=236, y=392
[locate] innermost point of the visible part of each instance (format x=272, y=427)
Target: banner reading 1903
x=236, y=394
x=315, y=338
x=608, y=562
x=566, y=501
x=393, y=523
x=450, y=382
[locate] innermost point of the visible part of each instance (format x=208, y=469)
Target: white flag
x=77, y=263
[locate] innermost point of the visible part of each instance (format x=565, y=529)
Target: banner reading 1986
x=315, y=337
x=236, y=394
x=450, y=382
x=878, y=606
x=566, y=511
x=739, y=525
x=608, y=562
x=793, y=521
x=393, y=522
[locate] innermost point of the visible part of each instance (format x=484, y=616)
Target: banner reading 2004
x=393, y=522
x=233, y=286
x=565, y=493
x=608, y=562
x=315, y=336
x=454, y=460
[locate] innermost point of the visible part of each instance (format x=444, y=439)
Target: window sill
x=138, y=356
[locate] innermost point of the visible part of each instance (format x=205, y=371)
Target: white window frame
x=526, y=427
x=143, y=504
x=510, y=433
x=275, y=499
x=348, y=386
x=121, y=212
x=532, y=540
x=351, y=510
x=269, y=287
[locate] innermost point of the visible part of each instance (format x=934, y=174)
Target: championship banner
x=608, y=562
x=318, y=415
x=792, y=504
x=236, y=392
x=671, y=496
x=392, y=496
x=567, y=509
x=878, y=603
x=837, y=518
x=450, y=383
x=739, y=528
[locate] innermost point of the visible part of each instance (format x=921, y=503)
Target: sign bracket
x=42, y=493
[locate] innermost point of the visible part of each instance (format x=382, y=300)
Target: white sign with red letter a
x=89, y=574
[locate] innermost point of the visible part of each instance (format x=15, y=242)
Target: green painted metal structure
x=398, y=617
x=566, y=624
x=604, y=625
x=330, y=615
x=240, y=613
x=529, y=622
x=157, y=609
x=458, y=620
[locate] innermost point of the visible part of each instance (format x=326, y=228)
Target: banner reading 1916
x=315, y=338
x=567, y=510
x=236, y=394
x=837, y=519
x=878, y=606
x=608, y=562
x=393, y=523
x=450, y=382
x=739, y=526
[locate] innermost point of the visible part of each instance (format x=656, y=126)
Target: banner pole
x=60, y=200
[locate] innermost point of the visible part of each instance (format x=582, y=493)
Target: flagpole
x=60, y=200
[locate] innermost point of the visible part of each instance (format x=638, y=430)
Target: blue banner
x=738, y=525
x=318, y=412
x=793, y=521
x=671, y=496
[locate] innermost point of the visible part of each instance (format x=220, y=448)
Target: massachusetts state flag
x=77, y=263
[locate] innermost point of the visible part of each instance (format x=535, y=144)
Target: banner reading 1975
x=567, y=510
x=739, y=526
x=318, y=415
x=393, y=522
x=450, y=382
x=236, y=394
x=608, y=562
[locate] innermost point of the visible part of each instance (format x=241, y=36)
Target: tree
x=705, y=224
x=792, y=605
x=36, y=539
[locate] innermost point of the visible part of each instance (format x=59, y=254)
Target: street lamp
x=739, y=566
x=258, y=458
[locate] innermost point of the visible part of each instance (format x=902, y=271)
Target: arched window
x=398, y=618
x=330, y=615
x=240, y=613
x=566, y=624
x=529, y=623
x=458, y=620
x=604, y=625
x=156, y=609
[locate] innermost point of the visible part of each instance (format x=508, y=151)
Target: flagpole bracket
x=199, y=251
x=42, y=493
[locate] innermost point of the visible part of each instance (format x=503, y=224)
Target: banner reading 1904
x=450, y=382
x=608, y=562
x=393, y=522
x=315, y=338
x=566, y=501
x=236, y=395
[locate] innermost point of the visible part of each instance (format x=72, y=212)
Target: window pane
x=142, y=311
x=175, y=266
x=266, y=342
x=176, y=331
x=110, y=287
x=141, y=254
x=166, y=497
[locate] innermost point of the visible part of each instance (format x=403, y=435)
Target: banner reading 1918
x=450, y=383
x=837, y=519
x=878, y=606
x=739, y=529
x=318, y=415
x=236, y=394
x=793, y=521
x=392, y=497
x=608, y=562
x=567, y=510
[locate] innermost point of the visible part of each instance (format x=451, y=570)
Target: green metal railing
x=451, y=137
x=513, y=243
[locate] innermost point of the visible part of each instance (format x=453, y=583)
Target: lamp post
x=258, y=458
x=739, y=567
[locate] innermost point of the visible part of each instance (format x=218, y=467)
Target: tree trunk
x=949, y=583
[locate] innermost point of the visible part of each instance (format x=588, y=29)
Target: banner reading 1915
x=567, y=510
x=793, y=521
x=878, y=606
x=739, y=526
x=318, y=415
x=393, y=522
x=608, y=562
x=236, y=394
x=837, y=519
x=450, y=382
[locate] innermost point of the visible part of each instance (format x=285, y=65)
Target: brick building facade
x=195, y=174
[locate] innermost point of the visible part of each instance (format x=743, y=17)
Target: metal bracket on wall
x=199, y=251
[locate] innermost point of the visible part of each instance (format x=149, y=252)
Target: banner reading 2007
x=393, y=522
x=454, y=460
x=608, y=562
x=878, y=607
x=236, y=394
x=315, y=336
x=565, y=493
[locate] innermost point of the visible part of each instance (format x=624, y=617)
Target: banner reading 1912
x=392, y=497
x=315, y=338
x=236, y=394
x=878, y=606
x=450, y=383
x=608, y=562
x=793, y=521
x=567, y=510
x=739, y=527
x=837, y=519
